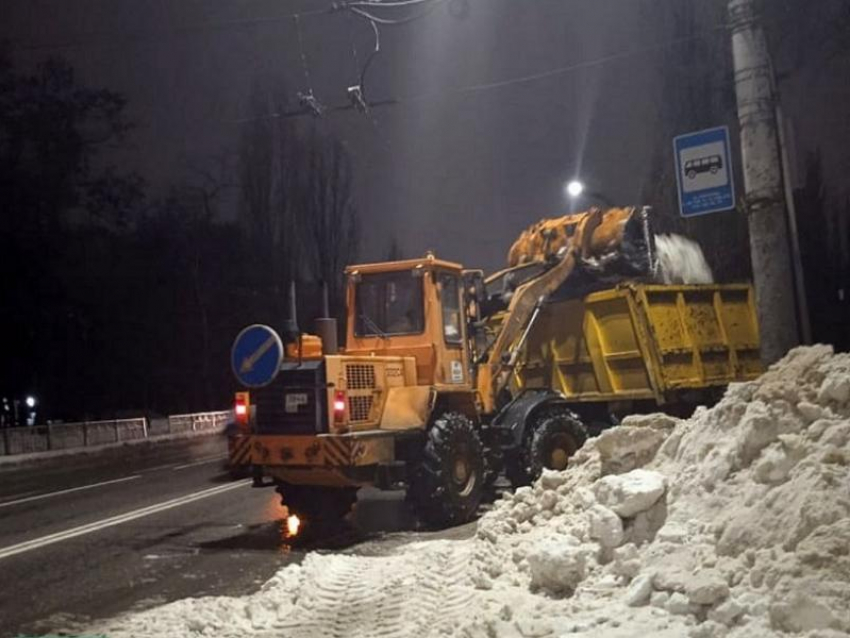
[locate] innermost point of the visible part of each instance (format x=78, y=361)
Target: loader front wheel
x=447, y=485
x=321, y=510
x=553, y=438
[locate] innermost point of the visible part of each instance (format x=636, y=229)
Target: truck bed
x=640, y=341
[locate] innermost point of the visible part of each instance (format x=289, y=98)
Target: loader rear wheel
x=447, y=485
x=320, y=509
x=553, y=438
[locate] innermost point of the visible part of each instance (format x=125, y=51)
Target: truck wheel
x=555, y=436
x=321, y=509
x=447, y=486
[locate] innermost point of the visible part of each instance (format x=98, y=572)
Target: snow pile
x=681, y=261
x=735, y=522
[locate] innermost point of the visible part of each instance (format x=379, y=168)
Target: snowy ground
x=735, y=522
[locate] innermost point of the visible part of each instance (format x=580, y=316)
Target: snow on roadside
x=735, y=522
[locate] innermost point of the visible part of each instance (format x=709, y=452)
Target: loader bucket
x=620, y=246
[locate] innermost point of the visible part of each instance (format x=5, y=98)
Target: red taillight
x=339, y=406
x=240, y=408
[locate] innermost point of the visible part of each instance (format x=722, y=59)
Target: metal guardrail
x=65, y=436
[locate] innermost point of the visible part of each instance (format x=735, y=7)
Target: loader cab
x=412, y=308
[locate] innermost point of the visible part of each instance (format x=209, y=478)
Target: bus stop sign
x=704, y=172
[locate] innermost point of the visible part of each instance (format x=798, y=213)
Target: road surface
x=94, y=544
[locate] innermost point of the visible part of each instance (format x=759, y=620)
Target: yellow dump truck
x=448, y=377
x=636, y=348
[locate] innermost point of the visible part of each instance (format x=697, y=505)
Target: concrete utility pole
x=768, y=222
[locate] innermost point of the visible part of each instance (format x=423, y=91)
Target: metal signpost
x=256, y=356
x=704, y=172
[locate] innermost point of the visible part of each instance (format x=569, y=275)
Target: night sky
x=458, y=172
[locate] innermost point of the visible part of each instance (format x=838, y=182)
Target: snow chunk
x=639, y=591
x=726, y=613
x=800, y=612
x=811, y=412
x=835, y=388
x=677, y=604
x=557, y=567
x=605, y=526
x=628, y=447
x=707, y=587
x=631, y=493
x=552, y=479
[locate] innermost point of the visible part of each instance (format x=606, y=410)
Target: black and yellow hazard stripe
x=240, y=451
x=337, y=452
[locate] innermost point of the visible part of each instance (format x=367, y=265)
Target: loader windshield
x=389, y=304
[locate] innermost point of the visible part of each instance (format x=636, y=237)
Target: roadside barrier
x=64, y=436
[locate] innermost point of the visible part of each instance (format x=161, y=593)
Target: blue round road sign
x=256, y=356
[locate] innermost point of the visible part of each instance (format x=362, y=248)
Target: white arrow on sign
x=248, y=363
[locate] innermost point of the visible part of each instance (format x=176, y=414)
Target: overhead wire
x=533, y=77
x=387, y=4
x=308, y=100
x=357, y=93
x=375, y=51
x=356, y=9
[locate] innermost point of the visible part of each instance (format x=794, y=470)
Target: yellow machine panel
x=324, y=459
x=366, y=383
x=643, y=342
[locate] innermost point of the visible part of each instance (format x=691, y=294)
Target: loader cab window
x=389, y=304
x=450, y=300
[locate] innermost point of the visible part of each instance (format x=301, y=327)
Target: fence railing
x=65, y=436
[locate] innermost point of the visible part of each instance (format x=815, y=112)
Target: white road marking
x=209, y=459
x=37, y=543
x=38, y=497
x=156, y=468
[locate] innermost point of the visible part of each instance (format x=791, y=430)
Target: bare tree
x=297, y=202
x=328, y=217
x=269, y=152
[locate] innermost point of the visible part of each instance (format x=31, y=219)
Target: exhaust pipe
x=291, y=333
x=326, y=326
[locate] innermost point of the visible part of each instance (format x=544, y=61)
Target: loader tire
x=322, y=510
x=553, y=438
x=447, y=485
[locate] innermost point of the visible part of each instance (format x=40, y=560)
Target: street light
x=575, y=188
x=30, y=401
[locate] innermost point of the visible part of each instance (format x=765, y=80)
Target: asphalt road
x=95, y=544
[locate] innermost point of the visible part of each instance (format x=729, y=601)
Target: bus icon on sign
x=704, y=172
x=711, y=164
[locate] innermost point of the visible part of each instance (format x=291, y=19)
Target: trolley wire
x=515, y=81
